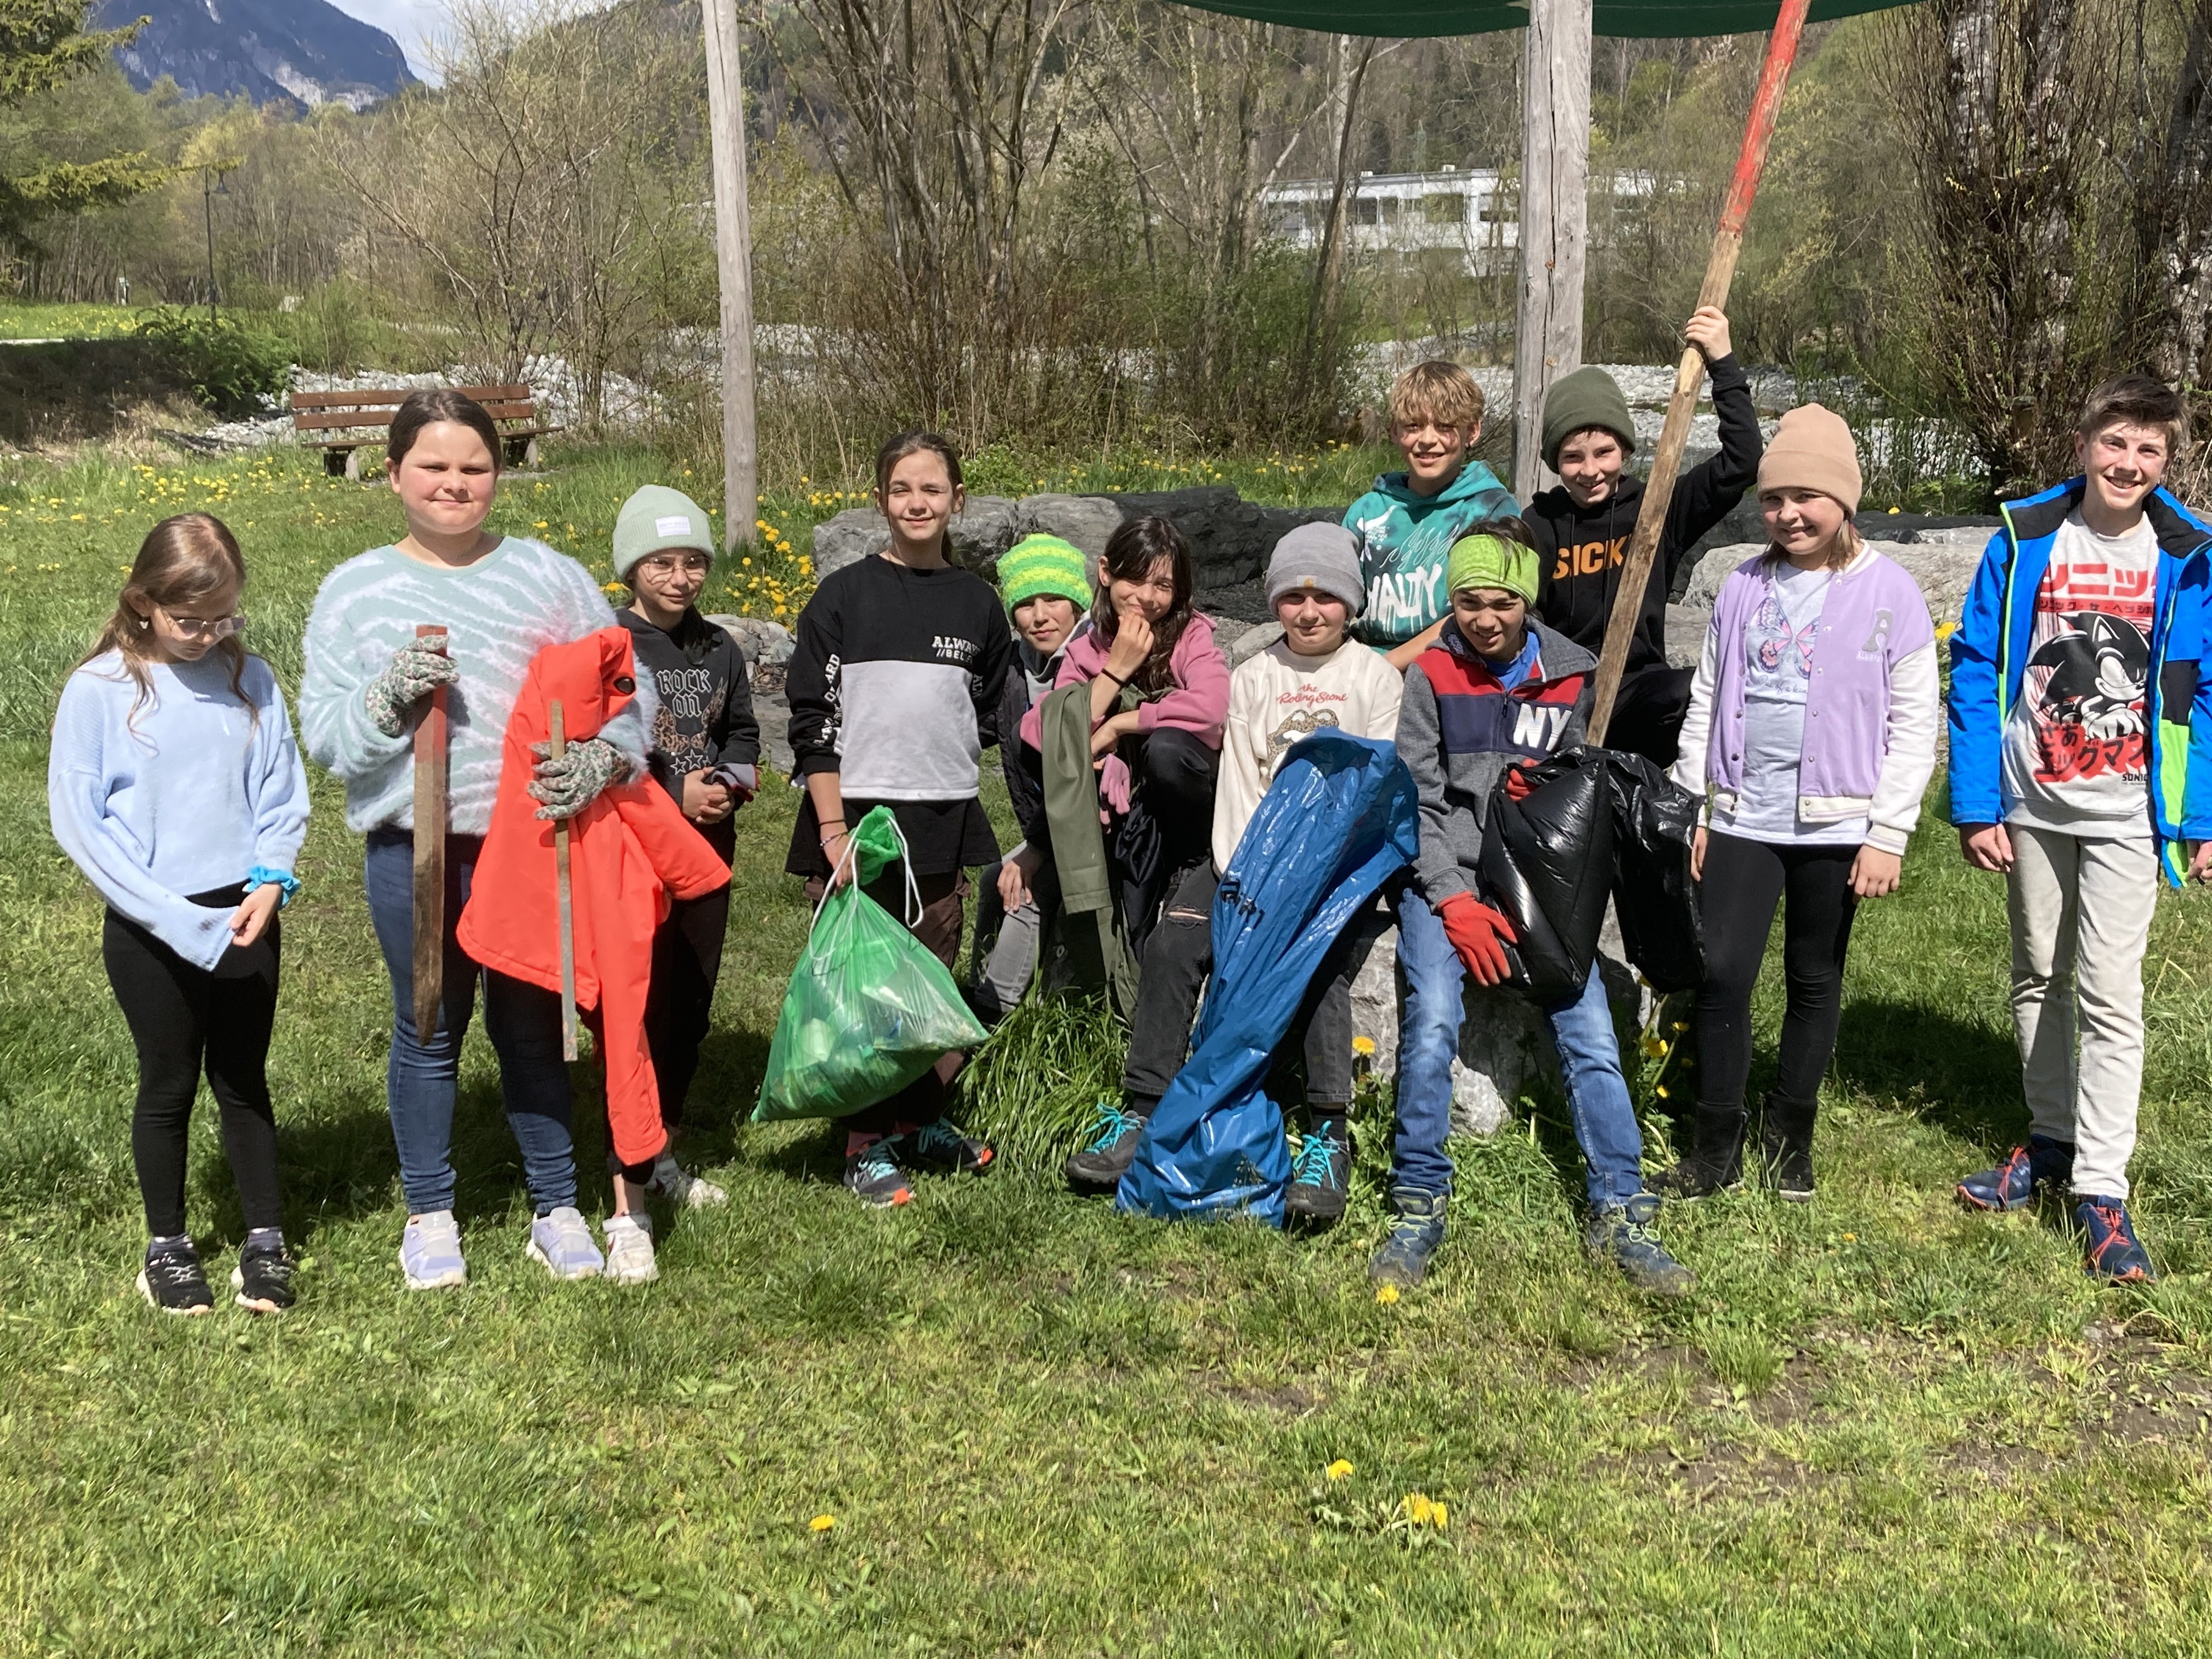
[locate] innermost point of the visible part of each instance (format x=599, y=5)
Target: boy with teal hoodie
x=1406, y=526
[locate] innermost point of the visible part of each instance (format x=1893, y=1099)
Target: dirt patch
x=71, y=392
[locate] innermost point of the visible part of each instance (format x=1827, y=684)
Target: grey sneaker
x=1622, y=1235
x=563, y=1241
x=629, y=1250
x=430, y=1252
x=1416, y=1230
x=672, y=1181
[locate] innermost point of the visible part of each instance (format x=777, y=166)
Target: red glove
x=1475, y=931
x=1519, y=785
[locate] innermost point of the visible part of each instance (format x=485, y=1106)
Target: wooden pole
x=1689, y=373
x=430, y=817
x=1548, y=340
x=734, y=259
x=557, y=747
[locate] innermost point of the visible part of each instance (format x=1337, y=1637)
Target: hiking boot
x=875, y=1177
x=1111, y=1148
x=262, y=1280
x=430, y=1252
x=561, y=1240
x=172, y=1280
x=1416, y=1229
x=679, y=1186
x=1785, y=1144
x=1622, y=1235
x=940, y=1145
x=2011, y=1186
x=629, y=1250
x=2113, y=1254
x=1716, y=1165
x=1319, y=1177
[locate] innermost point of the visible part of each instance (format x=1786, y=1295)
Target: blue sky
x=408, y=21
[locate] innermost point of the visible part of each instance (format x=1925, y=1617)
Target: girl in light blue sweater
x=173, y=783
x=501, y=600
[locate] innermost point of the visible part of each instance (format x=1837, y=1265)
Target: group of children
x=1441, y=616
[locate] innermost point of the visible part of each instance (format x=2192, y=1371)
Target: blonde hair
x=1437, y=393
x=183, y=559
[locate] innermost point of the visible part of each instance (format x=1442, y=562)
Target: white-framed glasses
x=205, y=628
x=667, y=564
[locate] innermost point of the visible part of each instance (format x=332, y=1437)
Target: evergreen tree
x=43, y=45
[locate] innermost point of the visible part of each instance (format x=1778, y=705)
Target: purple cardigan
x=1874, y=619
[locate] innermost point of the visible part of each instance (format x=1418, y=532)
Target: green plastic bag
x=869, y=1009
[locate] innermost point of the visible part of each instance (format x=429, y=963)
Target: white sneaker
x=630, y=1251
x=430, y=1252
x=671, y=1181
x=563, y=1241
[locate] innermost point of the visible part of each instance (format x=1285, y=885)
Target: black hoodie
x=1582, y=548
x=705, y=717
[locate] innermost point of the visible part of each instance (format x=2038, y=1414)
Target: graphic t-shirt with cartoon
x=2076, y=743
x=1777, y=649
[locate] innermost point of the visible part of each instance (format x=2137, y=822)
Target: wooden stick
x=1690, y=374
x=430, y=819
x=560, y=747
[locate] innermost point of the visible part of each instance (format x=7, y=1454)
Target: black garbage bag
x=1654, y=822
x=1546, y=862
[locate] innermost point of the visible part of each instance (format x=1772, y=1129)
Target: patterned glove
x=412, y=674
x=1475, y=930
x=568, y=786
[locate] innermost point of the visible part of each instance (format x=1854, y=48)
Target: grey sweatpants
x=1007, y=942
x=2081, y=919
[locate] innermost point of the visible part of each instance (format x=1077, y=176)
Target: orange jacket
x=629, y=851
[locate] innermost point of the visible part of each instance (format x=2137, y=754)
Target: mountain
x=303, y=52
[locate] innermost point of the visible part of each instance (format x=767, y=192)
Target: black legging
x=181, y=1015
x=1169, y=828
x=1743, y=882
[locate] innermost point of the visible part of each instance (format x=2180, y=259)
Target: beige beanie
x=1812, y=450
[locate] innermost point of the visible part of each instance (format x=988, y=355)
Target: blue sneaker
x=1319, y=1177
x=562, y=1242
x=430, y=1252
x=940, y=1145
x=1110, y=1149
x=2011, y=1186
x=1622, y=1235
x=2114, y=1255
x=1416, y=1232
x=874, y=1177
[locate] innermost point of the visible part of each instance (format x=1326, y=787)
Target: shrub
x=231, y=368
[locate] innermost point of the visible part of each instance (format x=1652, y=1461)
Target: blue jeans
x=523, y=1022
x=1428, y=1039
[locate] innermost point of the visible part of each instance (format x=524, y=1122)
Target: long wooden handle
x=430, y=819
x=1689, y=373
x=560, y=747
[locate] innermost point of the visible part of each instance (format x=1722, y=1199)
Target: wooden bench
x=343, y=423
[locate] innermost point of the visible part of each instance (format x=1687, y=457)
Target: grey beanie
x=1322, y=557
x=656, y=520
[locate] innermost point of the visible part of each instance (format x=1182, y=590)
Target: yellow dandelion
x=1386, y=1294
x=1362, y=1045
x=1339, y=1469
x=822, y=1523
x=1662, y=1091
x=1654, y=1047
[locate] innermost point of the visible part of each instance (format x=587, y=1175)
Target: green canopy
x=1654, y=19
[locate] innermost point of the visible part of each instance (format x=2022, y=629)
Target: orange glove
x=1519, y=785
x=1475, y=930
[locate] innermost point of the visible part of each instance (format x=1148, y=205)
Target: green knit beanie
x=1043, y=564
x=1588, y=397
x=1491, y=562
x=656, y=519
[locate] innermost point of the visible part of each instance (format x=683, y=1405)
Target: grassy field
x=36, y=319
x=1005, y=1421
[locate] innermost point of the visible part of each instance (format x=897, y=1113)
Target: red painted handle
x=1765, y=107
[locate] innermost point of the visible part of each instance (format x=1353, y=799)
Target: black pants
x=1177, y=959
x=1743, y=882
x=687, y=961
x=1647, y=715
x=183, y=1018
x=1169, y=828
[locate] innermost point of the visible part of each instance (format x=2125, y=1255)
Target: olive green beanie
x=1588, y=397
x=656, y=519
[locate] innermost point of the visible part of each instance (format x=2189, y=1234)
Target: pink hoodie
x=1198, y=701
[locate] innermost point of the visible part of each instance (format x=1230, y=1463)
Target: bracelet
x=840, y=823
x=261, y=876
x=1108, y=674
x=825, y=842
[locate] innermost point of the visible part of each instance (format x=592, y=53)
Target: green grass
x=39, y=319
x=1879, y=1427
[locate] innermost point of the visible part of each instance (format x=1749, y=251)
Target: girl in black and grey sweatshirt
x=894, y=688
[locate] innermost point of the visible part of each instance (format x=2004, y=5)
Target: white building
x=1475, y=211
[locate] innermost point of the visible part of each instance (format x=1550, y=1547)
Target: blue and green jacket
x=1989, y=660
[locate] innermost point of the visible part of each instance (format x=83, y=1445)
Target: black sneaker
x=1319, y=1178
x=876, y=1178
x=172, y=1280
x=940, y=1145
x=262, y=1277
x=1111, y=1148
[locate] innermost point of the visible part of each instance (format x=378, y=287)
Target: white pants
x=2080, y=919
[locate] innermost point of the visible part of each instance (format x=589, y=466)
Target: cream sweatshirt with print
x=1280, y=696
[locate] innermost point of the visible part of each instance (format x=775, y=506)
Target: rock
x=847, y=538
x=1253, y=640
x=1086, y=520
x=1942, y=570
x=981, y=531
x=762, y=640
x=774, y=714
x=1686, y=627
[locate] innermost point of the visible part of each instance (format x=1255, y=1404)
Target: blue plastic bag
x=1340, y=818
